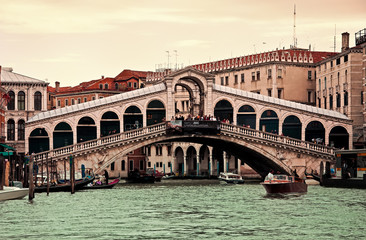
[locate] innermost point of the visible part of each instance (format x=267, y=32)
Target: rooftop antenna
x=168, y=59
x=176, y=59
x=335, y=34
x=295, y=40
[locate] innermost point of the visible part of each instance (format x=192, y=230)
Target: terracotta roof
x=128, y=74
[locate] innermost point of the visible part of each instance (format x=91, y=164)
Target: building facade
x=339, y=86
x=27, y=97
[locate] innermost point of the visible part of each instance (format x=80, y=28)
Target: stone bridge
x=264, y=132
x=260, y=150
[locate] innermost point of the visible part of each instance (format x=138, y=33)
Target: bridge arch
x=246, y=116
x=269, y=121
x=191, y=160
x=315, y=130
x=132, y=117
x=62, y=135
x=86, y=129
x=339, y=137
x=292, y=127
x=109, y=123
x=39, y=140
x=179, y=160
x=256, y=157
x=155, y=112
x=224, y=109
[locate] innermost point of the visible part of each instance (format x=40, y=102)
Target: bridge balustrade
x=161, y=127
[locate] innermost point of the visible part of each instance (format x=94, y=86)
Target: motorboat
x=10, y=193
x=230, y=178
x=284, y=184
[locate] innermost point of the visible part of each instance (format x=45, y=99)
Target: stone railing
x=146, y=132
x=100, y=142
x=275, y=138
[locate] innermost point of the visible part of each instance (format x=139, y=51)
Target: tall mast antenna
x=295, y=40
x=335, y=34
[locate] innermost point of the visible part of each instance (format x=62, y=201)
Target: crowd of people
x=200, y=118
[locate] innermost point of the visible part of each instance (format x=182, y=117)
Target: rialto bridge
x=264, y=132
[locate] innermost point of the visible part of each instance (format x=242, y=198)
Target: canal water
x=187, y=209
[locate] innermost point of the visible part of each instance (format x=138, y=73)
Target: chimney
x=345, y=41
x=102, y=76
x=57, y=86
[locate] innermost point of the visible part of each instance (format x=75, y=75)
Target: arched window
x=38, y=101
x=11, y=101
x=116, y=86
x=21, y=100
x=21, y=132
x=106, y=86
x=123, y=165
x=11, y=130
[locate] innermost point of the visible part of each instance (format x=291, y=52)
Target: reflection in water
x=195, y=209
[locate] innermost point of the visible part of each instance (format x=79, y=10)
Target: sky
x=73, y=41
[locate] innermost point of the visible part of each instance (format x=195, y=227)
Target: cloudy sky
x=73, y=41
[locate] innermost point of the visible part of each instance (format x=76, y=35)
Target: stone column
x=274, y=81
x=185, y=167
x=239, y=164
x=198, y=164
x=303, y=127
x=210, y=166
x=225, y=162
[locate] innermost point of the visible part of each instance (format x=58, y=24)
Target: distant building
x=340, y=86
x=26, y=97
x=127, y=80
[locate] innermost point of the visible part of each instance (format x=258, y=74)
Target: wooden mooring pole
x=48, y=176
x=2, y=172
x=72, y=175
x=31, y=181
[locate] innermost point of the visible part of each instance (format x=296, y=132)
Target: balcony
x=345, y=86
x=331, y=90
x=345, y=110
x=324, y=92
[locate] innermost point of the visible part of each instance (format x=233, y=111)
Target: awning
x=6, y=146
x=6, y=154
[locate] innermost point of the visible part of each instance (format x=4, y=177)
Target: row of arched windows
x=22, y=99
x=11, y=130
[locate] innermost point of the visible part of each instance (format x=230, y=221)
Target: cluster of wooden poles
x=23, y=171
x=33, y=181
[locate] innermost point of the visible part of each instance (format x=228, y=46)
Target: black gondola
x=64, y=187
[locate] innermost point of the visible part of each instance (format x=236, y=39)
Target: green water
x=193, y=209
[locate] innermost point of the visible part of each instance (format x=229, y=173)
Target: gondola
x=105, y=186
x=65, y=187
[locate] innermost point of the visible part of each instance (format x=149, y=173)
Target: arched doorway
x=315, y=132
x=218, y=161
x=155, y=112
x=86, y=129
x=62, y=135
x=224, y=110
x=204, y=161
x=132, y=118
x=109, y=124
x=179, y=158
x=269, y=122
x=291, y=127
x=339, y=138
x=191, y=160
x=246, y=117
x=38, y=141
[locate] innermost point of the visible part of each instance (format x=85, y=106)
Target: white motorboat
x=9, y=193
x=231, y=178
